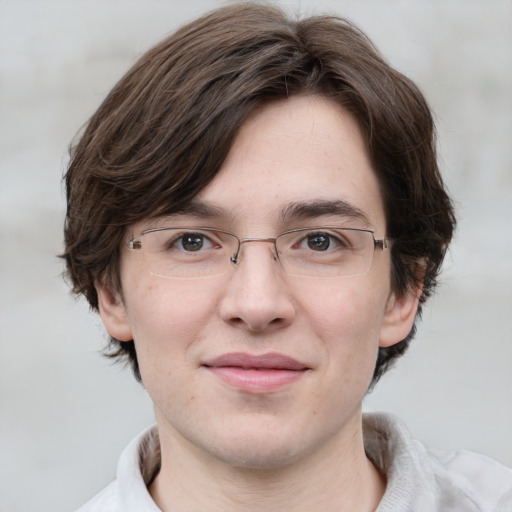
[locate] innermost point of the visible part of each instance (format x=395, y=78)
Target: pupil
x=192, y=242
x=318, y=242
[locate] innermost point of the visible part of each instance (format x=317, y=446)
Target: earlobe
x=399, y=317
x=113, y=312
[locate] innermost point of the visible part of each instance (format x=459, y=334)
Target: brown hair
x=163, y=132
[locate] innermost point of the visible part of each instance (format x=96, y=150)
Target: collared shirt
x=418, y=479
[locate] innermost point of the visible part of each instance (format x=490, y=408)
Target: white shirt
x=418, y=479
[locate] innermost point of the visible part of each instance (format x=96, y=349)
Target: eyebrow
x=318, y=208
x=296, y=210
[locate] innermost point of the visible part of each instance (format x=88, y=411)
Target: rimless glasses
x=196, y=252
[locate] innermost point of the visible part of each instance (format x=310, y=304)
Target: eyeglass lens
x=189, y=253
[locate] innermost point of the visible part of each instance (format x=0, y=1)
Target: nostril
x=236, y=321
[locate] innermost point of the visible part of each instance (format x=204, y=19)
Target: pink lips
x=256, y=374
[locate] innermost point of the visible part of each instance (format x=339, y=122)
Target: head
x=164, y=132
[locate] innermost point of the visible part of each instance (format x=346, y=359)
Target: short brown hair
x=163, y=132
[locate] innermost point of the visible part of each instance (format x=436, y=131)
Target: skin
x=298, y=447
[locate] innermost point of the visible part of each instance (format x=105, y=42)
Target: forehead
x=302, y=150
x=295, y=160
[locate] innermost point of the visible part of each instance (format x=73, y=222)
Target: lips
x=256, y=373
x=263, y=362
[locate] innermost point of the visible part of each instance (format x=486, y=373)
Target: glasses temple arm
x=385, y=243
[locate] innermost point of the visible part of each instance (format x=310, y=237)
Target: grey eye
x=192, y=241
x=319, y=241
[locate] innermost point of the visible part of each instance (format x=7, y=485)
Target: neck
x=337, y=476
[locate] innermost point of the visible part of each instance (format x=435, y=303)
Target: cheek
x=169, y=320
x=350, y=312
x=346, y=319
x=166, y=319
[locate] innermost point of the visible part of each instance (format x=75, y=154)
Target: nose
x=256, y=297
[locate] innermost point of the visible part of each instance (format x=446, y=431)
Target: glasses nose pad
x=275, y=254
x=236, y=256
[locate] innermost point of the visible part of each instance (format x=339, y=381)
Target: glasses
x=196, y=252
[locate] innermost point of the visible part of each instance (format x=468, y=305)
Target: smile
x=256, y=374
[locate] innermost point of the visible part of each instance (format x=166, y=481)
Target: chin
x=254, y=455
x=259, y=448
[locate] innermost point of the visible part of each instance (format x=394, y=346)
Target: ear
x=113, y=312
x=399, y=317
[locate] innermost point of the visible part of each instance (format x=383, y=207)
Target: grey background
x=65, y=412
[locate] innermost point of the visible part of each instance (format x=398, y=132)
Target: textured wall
x=65, y=412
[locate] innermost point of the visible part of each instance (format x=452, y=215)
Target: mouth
x=256, y=373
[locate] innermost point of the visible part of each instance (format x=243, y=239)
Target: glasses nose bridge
x=235, y=258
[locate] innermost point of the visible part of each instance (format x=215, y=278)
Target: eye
x=324, y=241
x=192, y=242
x=319, y=241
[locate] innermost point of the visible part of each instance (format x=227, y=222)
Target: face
x=258, y=368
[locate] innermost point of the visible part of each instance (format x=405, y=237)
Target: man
x=257, y=213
